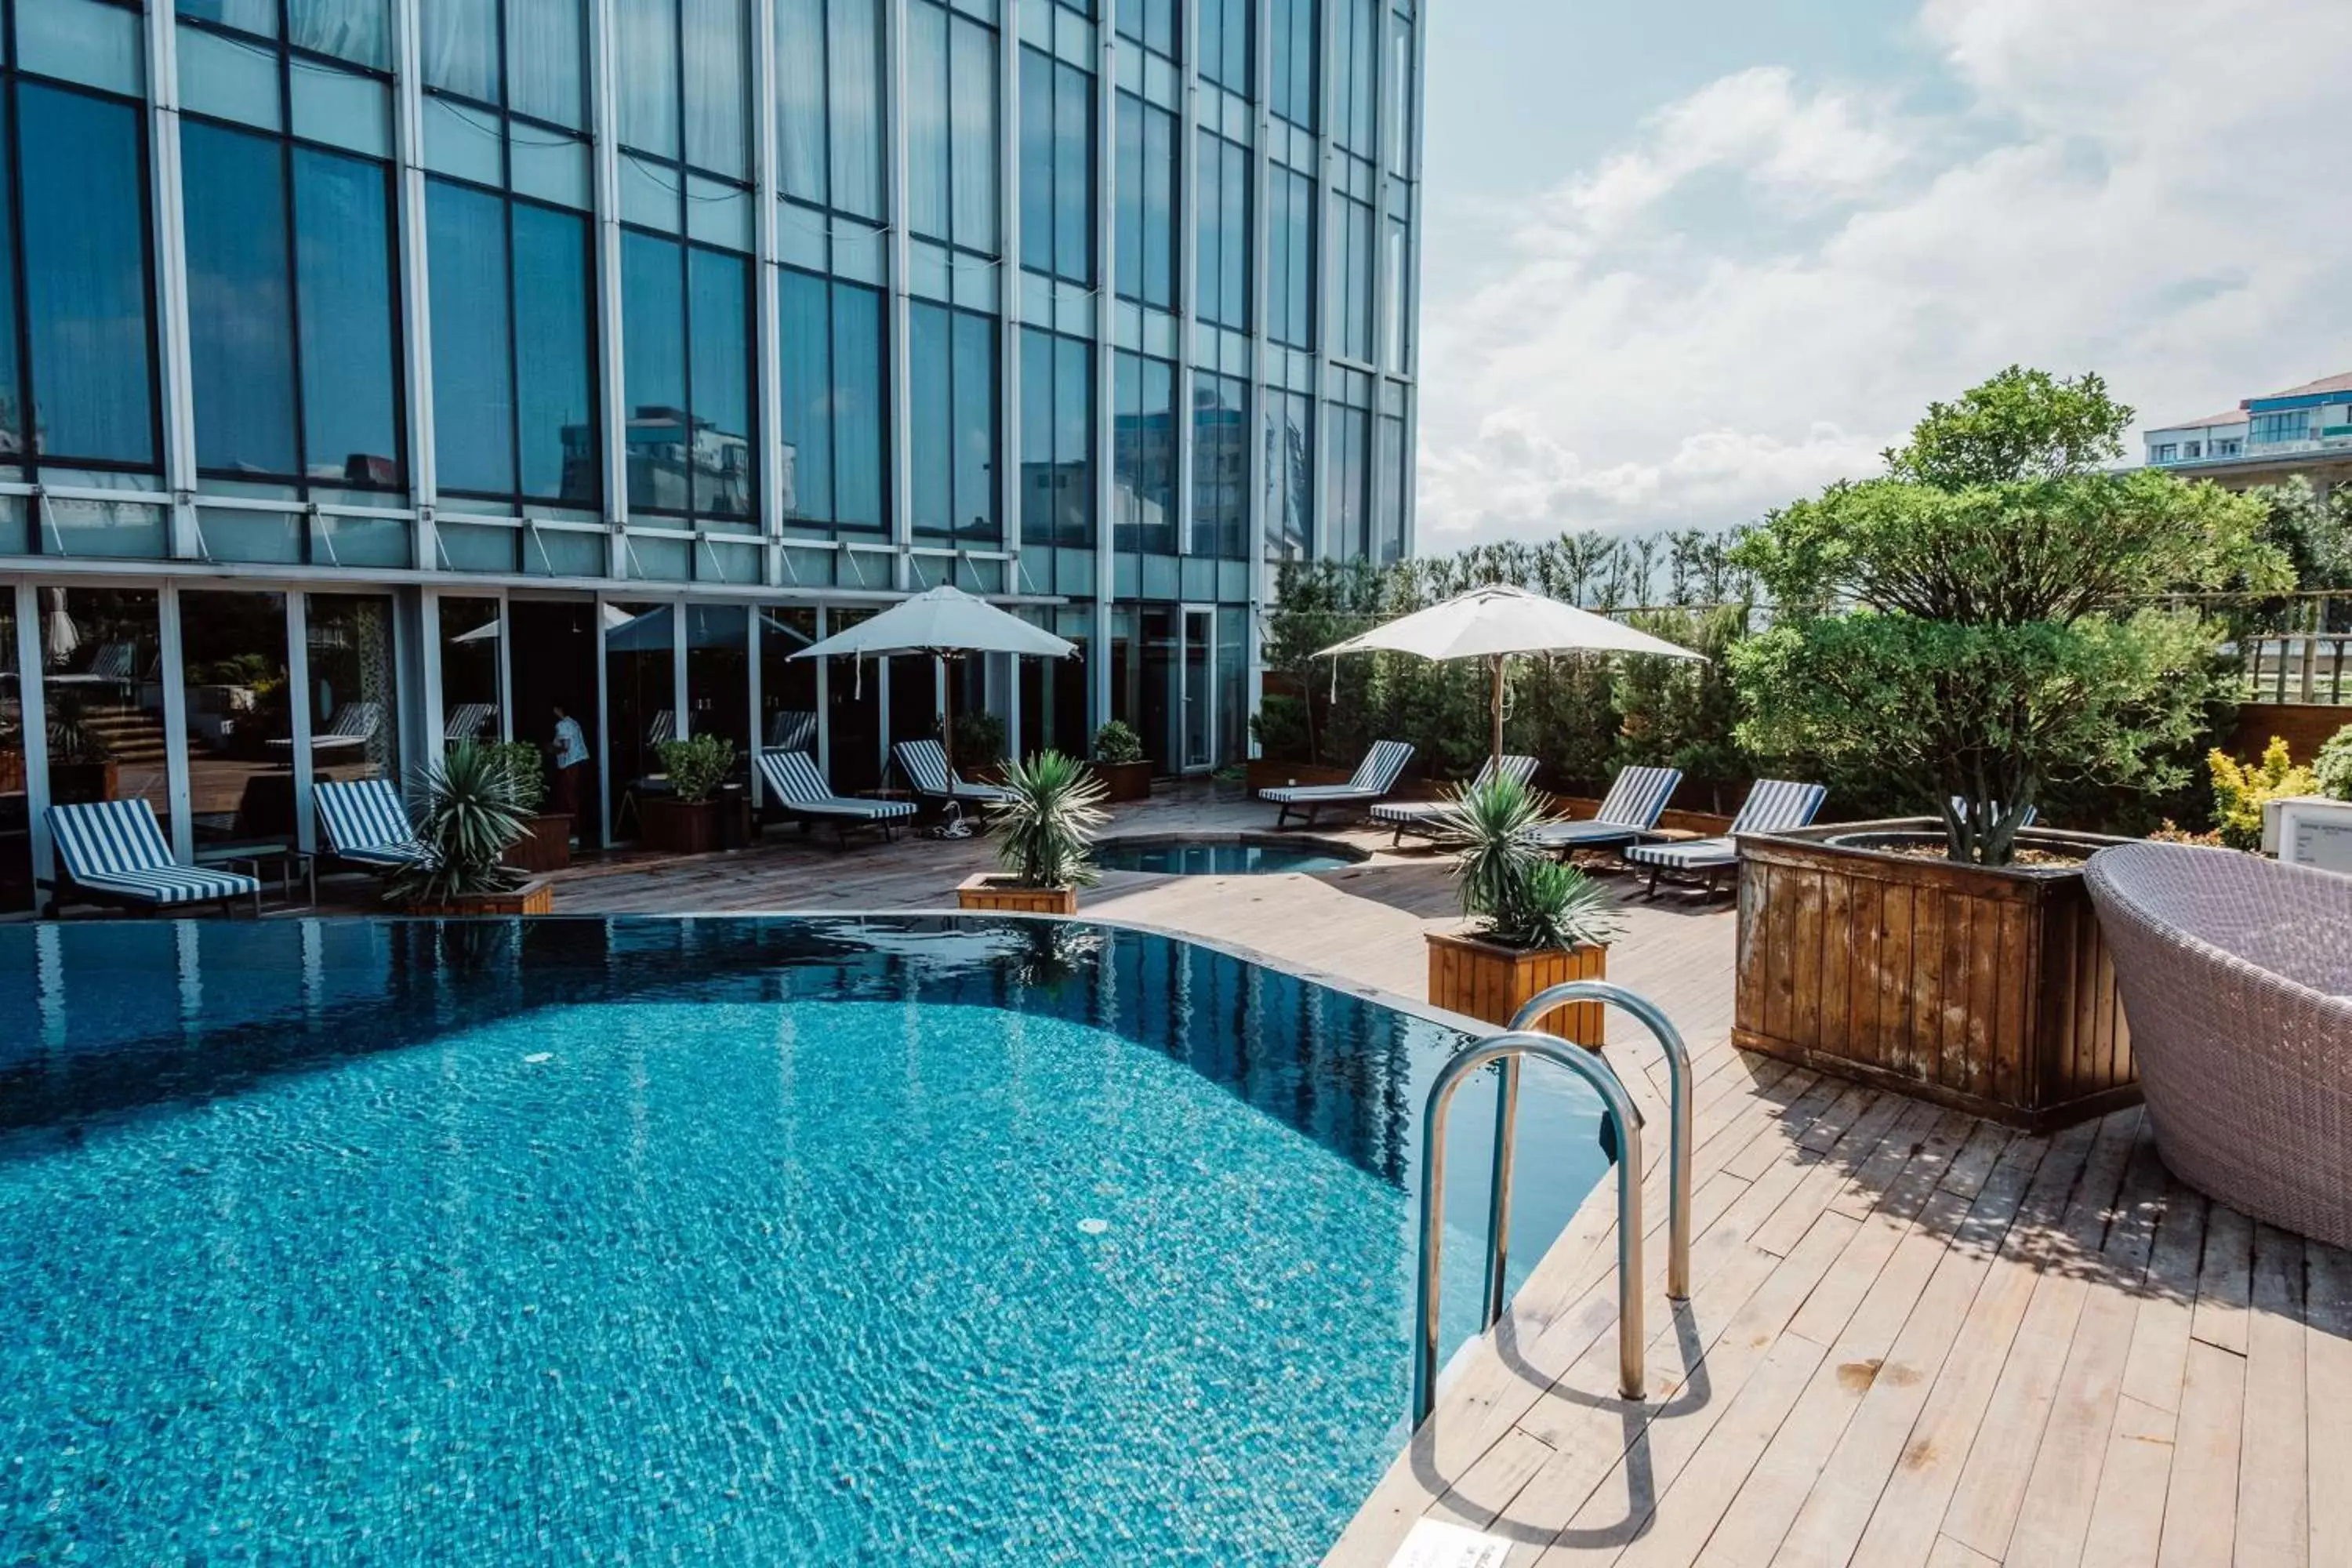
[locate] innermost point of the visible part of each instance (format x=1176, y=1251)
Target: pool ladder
x=1508, y=1049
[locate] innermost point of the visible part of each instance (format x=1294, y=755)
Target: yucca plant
x=1045, y=828
x=468, y=812
x=1510, y=882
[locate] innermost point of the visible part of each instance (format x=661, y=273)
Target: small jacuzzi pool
x=1221, y=856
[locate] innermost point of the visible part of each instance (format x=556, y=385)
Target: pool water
x=751, y=1240
x=1216, y=857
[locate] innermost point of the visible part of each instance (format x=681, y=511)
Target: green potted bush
x=1044, y=839
x=1999, y=613
x=1537, y=922
x=1120, y=763
x=685, y=820
x=467, y=812
x=979, y=743
x=546, y=841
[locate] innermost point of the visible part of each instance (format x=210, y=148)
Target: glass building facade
x=374, y=372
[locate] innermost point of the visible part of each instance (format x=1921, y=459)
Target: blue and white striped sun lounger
x=353, y=726
x=468, y=720
x=1773, y=806
x=1637, y=798
x=792, y=730
x=1375, y=776
x=366, y=825
x=1421, y=817
x=797, y=790
x=112, y=851
x=925, y=765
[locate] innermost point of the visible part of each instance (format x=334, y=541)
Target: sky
x=1682, y=263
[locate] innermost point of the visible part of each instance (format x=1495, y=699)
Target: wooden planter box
x=1987, y=989
x=1124, y=781
x=679, y=828
x=1486, y=980
x=1004, y=896
x=545, y=845
x=1264, y=774
x=533, y=898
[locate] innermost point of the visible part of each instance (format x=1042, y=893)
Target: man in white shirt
x=571, y=758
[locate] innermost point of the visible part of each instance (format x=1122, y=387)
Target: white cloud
x=1768, y=283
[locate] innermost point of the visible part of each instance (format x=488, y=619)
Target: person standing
x=571, y=761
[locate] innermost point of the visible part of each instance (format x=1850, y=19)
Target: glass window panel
x=342, y=274
x=1074, y=416
x=354, y=686
x=459, y=43
x=354, y=30
x=725, y=478
x=233, y=670
x=976, y=428
x=1036, y=436
x=83, y=189
x=81, y=40
x=1158, y=207
x=787, y=685
x=647, y=39
x=1074, y=174
x=1128, y=178
x=1220, y=438
x=227, y=80
x=103, y=677
x=931, y=397
x=650, y=193
x=258, y=17
x=1392, y=478
x=927, y=118
x=547, y=60
x=16, y=798
x=972, y=135
x=653, y=373
x=805, y=326
x=1289, y=474
x=1395, y=334
x=1233, y=191
x=342, y=109
x=461, y=141
x=799, y=98
x=12, y=445
x=859, y=498
x=552, y=168
x=716, y=67
x=719, y=676
x=1036, y=161
x=1346, y=521
x=1400, y=95
x=554, y=305
x=470, y=637
x=473, y=393
x=240, y=318
x=854, y=44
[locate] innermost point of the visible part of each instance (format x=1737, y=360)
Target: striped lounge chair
x=468, y=720
x=353, y=726
x=798, y=791
x=792, y=730
x=924, y=764
x=663, y=729
x=112, y=852
x=1422, y=816
x=1637, y=798
x=366, y=825
x=1773, y=806
x=1375, y=776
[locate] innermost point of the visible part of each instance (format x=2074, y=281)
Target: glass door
x=1198, y=646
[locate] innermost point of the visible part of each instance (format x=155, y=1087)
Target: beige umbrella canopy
x=1496, y=622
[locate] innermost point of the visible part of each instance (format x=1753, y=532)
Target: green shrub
x=1045, y=830
x=979, y=739
x=1280, y=727
x=2239, y=791
x=697, y=766
x=467, y=813
x=2332, y=767
x=526, y=768
x=1116, y=743
x=1522, y=897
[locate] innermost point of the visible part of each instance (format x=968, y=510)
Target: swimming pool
x=770, y=1240
x=1218, y=857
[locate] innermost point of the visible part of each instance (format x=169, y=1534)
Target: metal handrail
x=1627, y=1121
x=1678, y=1142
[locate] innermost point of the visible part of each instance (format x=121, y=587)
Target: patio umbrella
x=1497, y=621
x=945, y=623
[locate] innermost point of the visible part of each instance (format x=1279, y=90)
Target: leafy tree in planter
x=1682, y=713
x=1984, y=619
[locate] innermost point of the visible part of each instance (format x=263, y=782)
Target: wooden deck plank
x=2273, y=1458
x=2225, y=1280
x=2200, y=1506
x=2328, y=1401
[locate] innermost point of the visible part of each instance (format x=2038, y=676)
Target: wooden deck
x=1914, y=1338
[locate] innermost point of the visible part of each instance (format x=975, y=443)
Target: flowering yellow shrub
x=2240, y=789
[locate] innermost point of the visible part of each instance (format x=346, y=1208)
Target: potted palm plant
x=686, y=821
x=1539, y=922
x=1120, y=763
x=468, y=815
x=1044, y=837
x=81, y=764
x=546, y=841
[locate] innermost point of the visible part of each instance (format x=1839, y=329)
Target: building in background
x=375, y=372
x=2304, y=430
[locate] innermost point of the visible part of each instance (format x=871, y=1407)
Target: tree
x=1984, y=620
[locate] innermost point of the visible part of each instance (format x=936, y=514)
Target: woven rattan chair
x=2236, y=974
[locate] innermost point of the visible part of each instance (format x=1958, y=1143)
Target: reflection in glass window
x=82, y=186
x=1225, y=43
x=829, y=104
x=343, y=278
x=1350, y=235
x=1356, y=77
x=1145, y=180
x=1221, y=444
x=1057, y=402
x=1057, y=160
x=719, y=676
x=830, y=343
x=1346, y=506
x=1143, y=456
x=240, y=317
x=689, y=444
x=1296, y=29
x=640, y=695
x=354, y=687
x=1152, y=23
x=240, y=719
x=951, y=376
x=787, y=685
x=1290, y=258
x=1221, y=280
x=103, y=690
x=470, y=638
x=1289, y=476
x=1392, y=477
x=541, y=43
x=951, y=128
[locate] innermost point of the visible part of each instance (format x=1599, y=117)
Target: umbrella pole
x=947, y=712
x=1497, y=749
